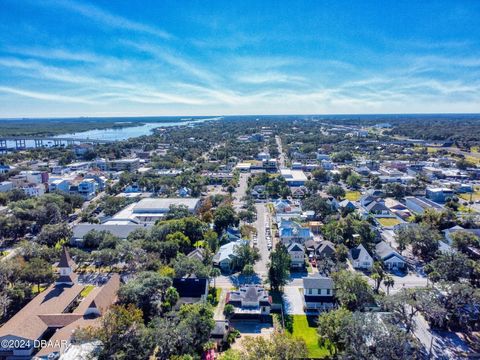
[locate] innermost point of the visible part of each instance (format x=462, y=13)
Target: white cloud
x=115, y=21
x=45, y=96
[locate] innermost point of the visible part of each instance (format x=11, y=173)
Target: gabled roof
x=385, y=251
x=376, y=206
x=65, y=260
x=317, y=282
x=295, y=247
x=107, y=294
x=191, y=287
x=359, y=250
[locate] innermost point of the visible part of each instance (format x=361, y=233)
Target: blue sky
x=102, y=58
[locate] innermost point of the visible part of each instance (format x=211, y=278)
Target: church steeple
x=66, y=267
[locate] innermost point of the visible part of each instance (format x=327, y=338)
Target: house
x=250, y=302
x=320, y=249
x=225, y=256
x=347, y=205
x=439, y=195
x=6, y=186
x=294, y=177
x=59, y=185
x=191, y=289
x=259, y=192
x=390, y=258
x=34, y=190
x=290, y=231
x=449, y=232
x=299, y=192
x=318, y=293
x=184, y=192
x=360, y=258
x=377, y=208
x=198, y=253
x=55, y=313
x=87, y=188
x=297, y=255
x=418, y=205
x=220, y=331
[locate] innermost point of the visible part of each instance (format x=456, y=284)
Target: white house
x=318, y=293
x=297, y=255
x=360, y=258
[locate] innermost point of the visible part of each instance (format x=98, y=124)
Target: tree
x=423, y=240
x=52, y=234
x=121, y=332
x=37, y=271
x=229, y=311
x=186, y=266
x=177, y=212
x=336, y=191
x=330, y=329
x=353, y=180
x=214, y=273
x=280, y=346
x=378, y=275
x=224, y=217
x=245, y=254
x=279, y=267
x=389, y=282
x=320, y=175
x=404, y=307
x=148, y=292
x=366, y=337
x=449, y=266
x=319, y=205
x=463, y=240
x=352, y=290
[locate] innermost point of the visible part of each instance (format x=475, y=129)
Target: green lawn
x=36, y=289
x=466, y=197
x=306, y=330
x=388, y=222
x=86, y=290
x=353, y=195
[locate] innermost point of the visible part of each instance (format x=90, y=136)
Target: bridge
x=38, y=141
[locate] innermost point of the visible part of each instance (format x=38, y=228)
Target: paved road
x=261, y=265
x=280, y=150
x=240, y=191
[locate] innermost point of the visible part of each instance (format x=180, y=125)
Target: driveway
x=261, y=265
x=293, y=300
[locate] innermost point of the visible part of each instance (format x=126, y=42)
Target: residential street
x=280, y=150
x=240, y=191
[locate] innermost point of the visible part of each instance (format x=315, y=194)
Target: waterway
x=117, y=133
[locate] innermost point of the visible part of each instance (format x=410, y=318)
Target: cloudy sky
x=73, y=58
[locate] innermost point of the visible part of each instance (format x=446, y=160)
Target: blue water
x=116, y=134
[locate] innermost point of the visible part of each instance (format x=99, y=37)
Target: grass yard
x=353, y=195
x=86, y=290
x=466, y=197
x=38, y=289
x=388, y=222
x=307, y=330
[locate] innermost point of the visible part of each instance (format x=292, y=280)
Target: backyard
x=353, y=195
x=388, y=222
x=305, y=327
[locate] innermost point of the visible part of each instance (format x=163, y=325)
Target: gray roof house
x=318, y=293
x=391, y=259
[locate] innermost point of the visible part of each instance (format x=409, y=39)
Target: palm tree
x=214, y=273
x=388, y=282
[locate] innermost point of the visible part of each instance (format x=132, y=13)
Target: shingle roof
x=66, y=260
x=191, y=287
x=317, y=282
